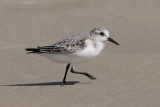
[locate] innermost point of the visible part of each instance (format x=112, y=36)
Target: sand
x=127, y=75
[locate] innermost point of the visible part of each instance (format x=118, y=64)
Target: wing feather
x=66, y=46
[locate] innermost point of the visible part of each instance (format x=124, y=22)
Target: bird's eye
x=101, y=33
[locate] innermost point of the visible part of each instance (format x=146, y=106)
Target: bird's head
x=102, y=34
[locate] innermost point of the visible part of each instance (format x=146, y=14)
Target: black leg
x=64, y=79
x=84, y=73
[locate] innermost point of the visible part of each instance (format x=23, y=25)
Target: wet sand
x=127, y=75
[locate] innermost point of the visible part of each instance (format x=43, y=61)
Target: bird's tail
x=33, y=50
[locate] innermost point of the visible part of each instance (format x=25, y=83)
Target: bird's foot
x=90, y=76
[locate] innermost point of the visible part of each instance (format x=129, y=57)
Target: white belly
x=61, y=58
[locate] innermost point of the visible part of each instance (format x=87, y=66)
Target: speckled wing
x=68, y=45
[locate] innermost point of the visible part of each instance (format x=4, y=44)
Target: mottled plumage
x=68, y=45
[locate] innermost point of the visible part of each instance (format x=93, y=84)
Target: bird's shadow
x=47, y=84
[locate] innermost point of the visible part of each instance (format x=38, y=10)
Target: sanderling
x=76, y=49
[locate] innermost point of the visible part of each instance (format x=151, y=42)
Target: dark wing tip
x=32, y=50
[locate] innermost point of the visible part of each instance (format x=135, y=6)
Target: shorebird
x=76, y=49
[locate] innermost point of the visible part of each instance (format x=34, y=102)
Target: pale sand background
x=127, y=75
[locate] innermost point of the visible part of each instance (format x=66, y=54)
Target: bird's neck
x=99, y=45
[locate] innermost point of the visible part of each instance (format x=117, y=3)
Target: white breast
x=91, y=50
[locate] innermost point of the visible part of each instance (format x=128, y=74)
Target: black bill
x=113, y=41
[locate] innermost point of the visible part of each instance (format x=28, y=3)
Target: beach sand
x=127, y=75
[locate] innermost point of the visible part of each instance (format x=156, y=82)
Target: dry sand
x=127, y=75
